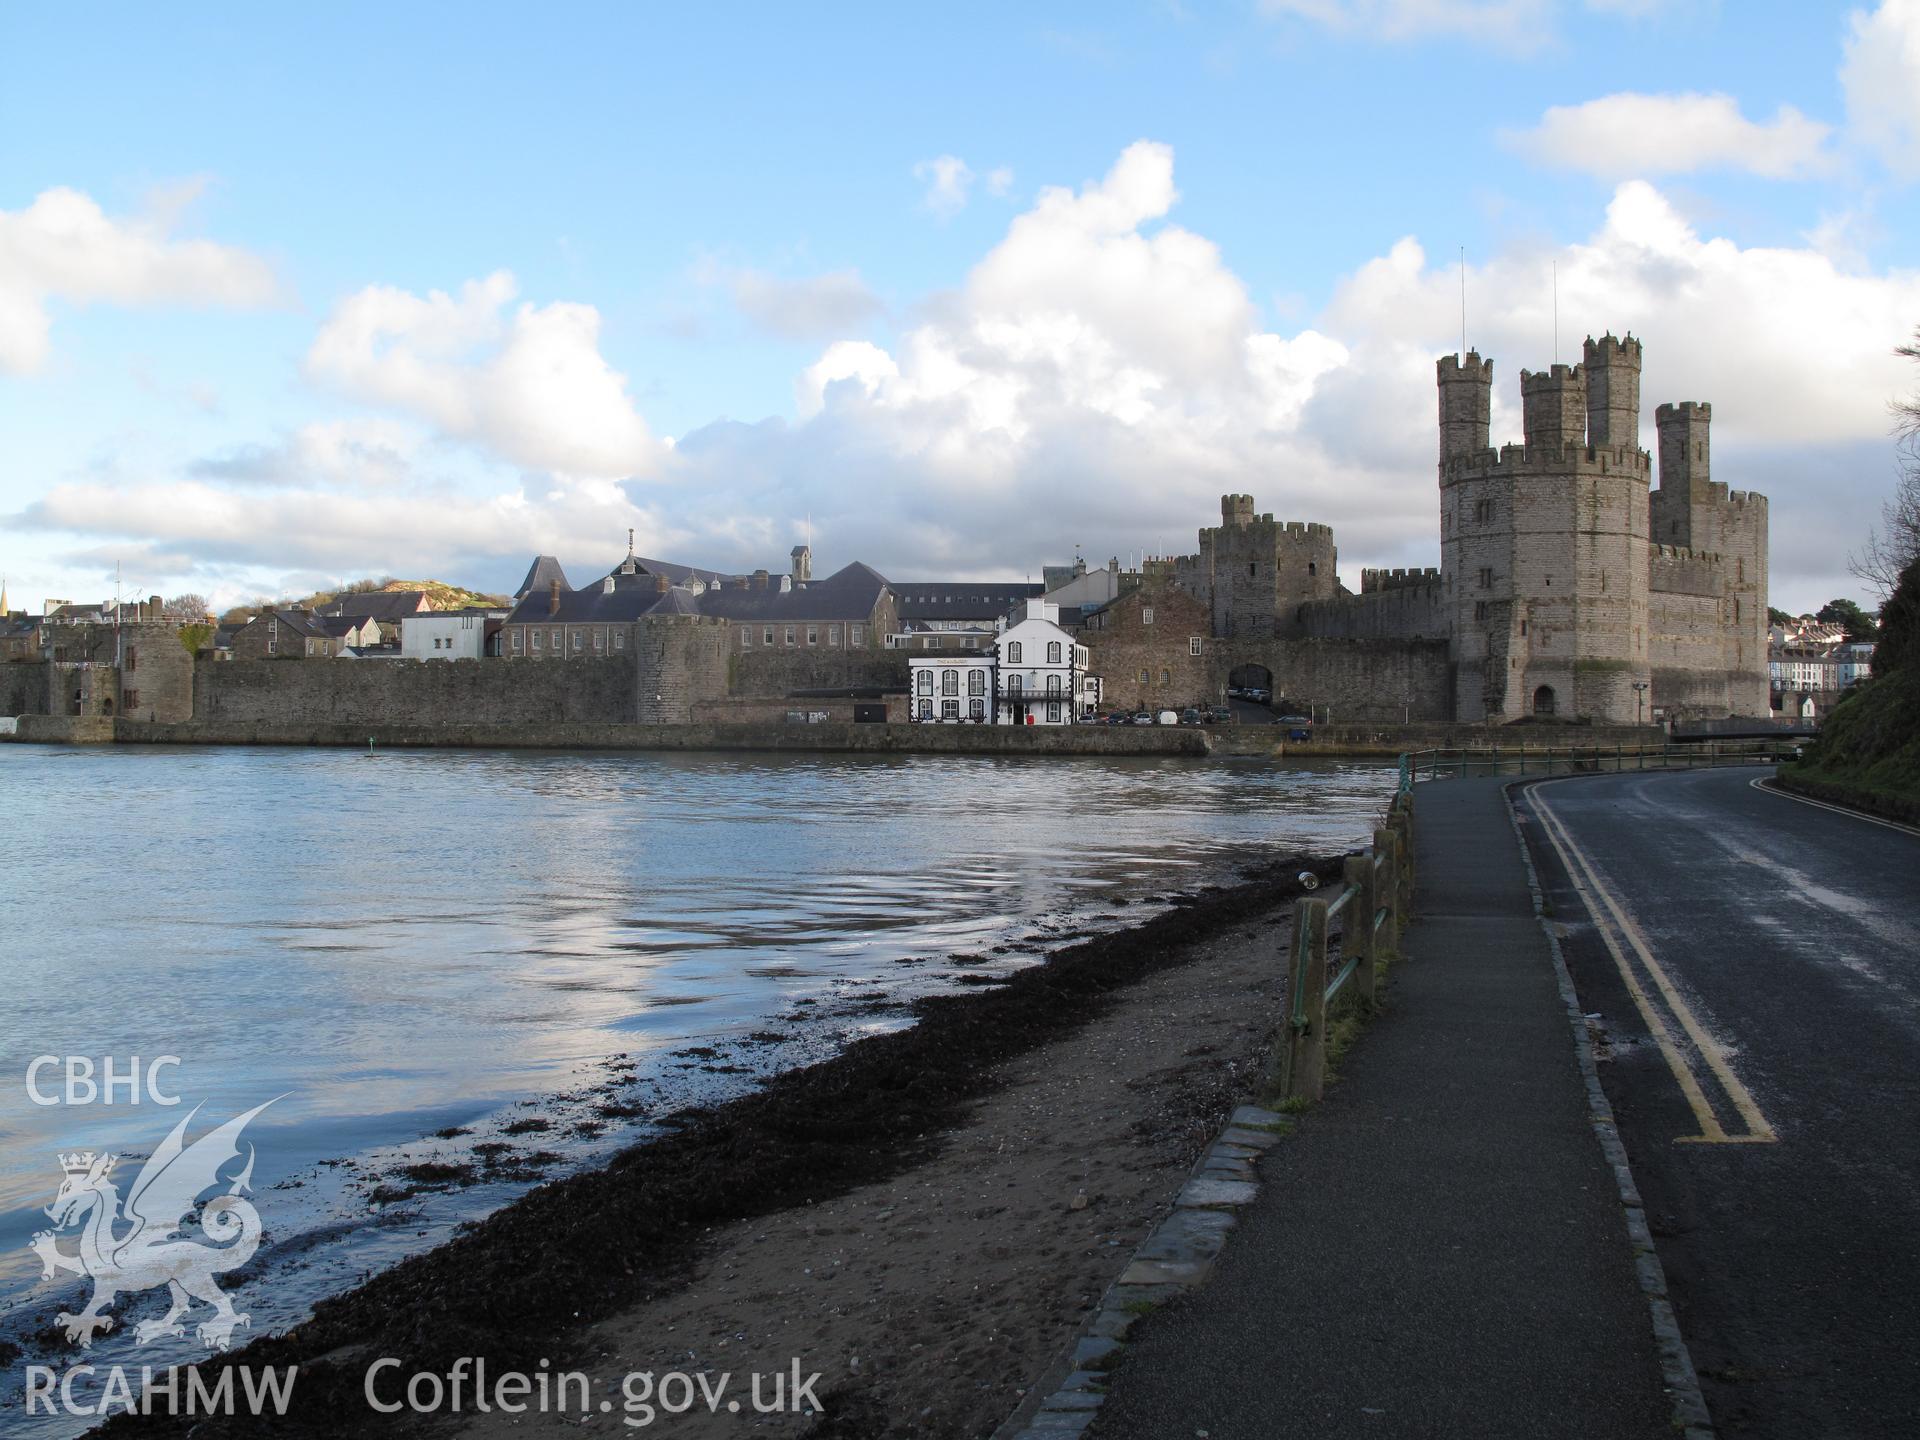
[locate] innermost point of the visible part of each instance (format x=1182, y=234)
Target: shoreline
x=522, y=1284
x=1330, y=741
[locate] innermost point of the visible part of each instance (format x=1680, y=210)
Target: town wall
x=1354, y=679
x=679, y=661
x=773, y=674
x=359, y=693
x=23, y=688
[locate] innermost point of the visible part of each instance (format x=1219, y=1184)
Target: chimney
x=661, y=584
x=759, y=579
x=153, y=607
x=606, y=586
x=740, y=582
x=553, y=597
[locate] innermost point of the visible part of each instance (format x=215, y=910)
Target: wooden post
x=1386, y=889
x=1307, y=1048
x=1359, y=944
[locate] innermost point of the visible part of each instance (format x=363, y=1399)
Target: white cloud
x=1881, y=77
x=531, y=386
x=949, y=181
x=1632, y=135
x=1518, y=25
x=1000, y=181
x=64, y=247
x=813, y=307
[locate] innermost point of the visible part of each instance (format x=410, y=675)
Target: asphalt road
x=1755, y=965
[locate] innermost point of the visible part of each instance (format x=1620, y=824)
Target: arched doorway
x=1251, y=682
x=1543, y=700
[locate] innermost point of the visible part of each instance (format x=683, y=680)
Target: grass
x=1869, y=744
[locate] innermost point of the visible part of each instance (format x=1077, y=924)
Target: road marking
x=1615, y=925
x=1766, y=786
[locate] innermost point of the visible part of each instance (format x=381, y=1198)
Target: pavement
x=1775, y=948
x=1440, y=1248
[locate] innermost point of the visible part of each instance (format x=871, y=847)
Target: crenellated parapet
x=1373, y=581
x=1516, y=461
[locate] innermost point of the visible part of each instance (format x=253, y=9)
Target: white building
x=1033, y=674
x=448, y=634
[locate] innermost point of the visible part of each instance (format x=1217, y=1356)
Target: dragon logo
x=135, y=1245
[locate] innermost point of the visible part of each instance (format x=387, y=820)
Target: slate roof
x=540, y=575
x=962, y=599
x=384, y=605
x=850, y=593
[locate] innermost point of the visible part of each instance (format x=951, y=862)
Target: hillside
x=1868, y=752
x=444, y=596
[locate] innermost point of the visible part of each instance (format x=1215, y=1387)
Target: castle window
x=1543, y=700
x=1166, y=677
x=1549, y=582
x=1253, y=567
x=1486, y=577
x=133, y=659
x=1146, y=677
x=1193, y=644
x=1523, y=627
x=1313, y=567
x=1146, y=614
x=1479, y=610
x=129, y=699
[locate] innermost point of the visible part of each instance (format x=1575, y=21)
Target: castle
x=1567, y=587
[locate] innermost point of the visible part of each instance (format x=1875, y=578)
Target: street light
x=1639, y=695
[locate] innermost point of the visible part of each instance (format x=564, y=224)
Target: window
x=1486, y=577
x=1053, y=684
x=577, y=638
x=976, y=682
x=766, y=637
x=559, y=641
x=856, y=634
x=1146, y=614
x=599, y=640
x=1483, y=511
x=949, y=709
x=923, y=682
x=1146, y=677
x=926, y=709
x=1253, y=567
x=1014, y=686
x=1480, y=610
x=1053, y=712
x=1013, y=652
x=949, y=681
x=619, y=639
x=833, y=636
x=1166, y=677
x=536, y=640
x=1193, y=645
x=516, y=642
x=1549, y=582
x=133, y=661
x=1313, y=567
x=977, y=709
x=1053, y=652
x=789, y=634
x=746, y=637
x=813, y=634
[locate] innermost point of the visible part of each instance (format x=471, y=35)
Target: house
x=386, y=608
x=287, y=632
x=1153, y=647
x=954, y=614
x=853, y=609
x=1034, y=673
x=466, y=634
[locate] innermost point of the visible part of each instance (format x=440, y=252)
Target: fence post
x=1360, y=943
x=1307, y=1042
x=1402, y=824
x=1386, y=888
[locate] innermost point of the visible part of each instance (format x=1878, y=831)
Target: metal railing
x=1418, y=765
x=1375, y=896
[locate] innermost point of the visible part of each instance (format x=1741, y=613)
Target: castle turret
x=1236, y=510
x=1555, y=406
x=1685, y=457
x=1466, y=399
x=1613, y=391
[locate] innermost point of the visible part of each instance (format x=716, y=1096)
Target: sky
x=294, y=296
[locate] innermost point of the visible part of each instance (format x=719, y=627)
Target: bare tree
x=1894, y=543
x=187, y=608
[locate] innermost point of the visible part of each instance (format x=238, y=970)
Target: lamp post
x=1639, y=695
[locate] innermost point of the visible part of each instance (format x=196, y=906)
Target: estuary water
x=538, y=953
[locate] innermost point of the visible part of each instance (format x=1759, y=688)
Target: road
x=1754, y=962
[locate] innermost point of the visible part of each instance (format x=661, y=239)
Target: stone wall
x=23, y=688
x=1690, y=655
x=773, y=674
x=1364, y=679
x=243, y=693
x=679, y=661
x=1404, y=610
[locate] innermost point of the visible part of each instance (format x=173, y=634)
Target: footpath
x=1440, y=1248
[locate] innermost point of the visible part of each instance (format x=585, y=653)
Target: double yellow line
x=1622, y=935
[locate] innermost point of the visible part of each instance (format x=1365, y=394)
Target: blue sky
x=951, y=292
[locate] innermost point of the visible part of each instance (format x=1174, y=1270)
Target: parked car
x=1169, y=717
x=1141, y=717
x=1259, y=695
x=1190, y=716
x=1301, y=721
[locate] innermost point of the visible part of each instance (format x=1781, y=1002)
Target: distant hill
x=443, y=595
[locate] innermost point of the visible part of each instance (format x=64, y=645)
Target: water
x=417, y=940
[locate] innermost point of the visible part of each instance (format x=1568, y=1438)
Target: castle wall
x=1254, y=572
x=23, y=688
x=678, y=662
x=598, y=690
x=773, y=674
x=1391, y=605
x=1353, y=679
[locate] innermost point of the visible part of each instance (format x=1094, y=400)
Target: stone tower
x=1254, y=572
x=1466, y=400
x=1544, y=546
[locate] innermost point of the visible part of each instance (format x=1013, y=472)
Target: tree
x=188, y=608
x=1778, y=617
x=1894, y=543
x=1858, y=623
x=1900, y=624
